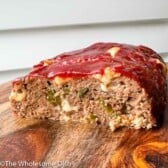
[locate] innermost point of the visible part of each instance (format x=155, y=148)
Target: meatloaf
x=111, y=84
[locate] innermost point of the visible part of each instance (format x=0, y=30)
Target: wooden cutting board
x=33, y=143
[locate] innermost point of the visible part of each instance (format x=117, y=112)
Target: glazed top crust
x=139, y=63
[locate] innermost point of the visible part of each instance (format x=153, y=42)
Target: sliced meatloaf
x=110, y=84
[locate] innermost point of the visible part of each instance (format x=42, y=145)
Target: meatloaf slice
x=111, y=84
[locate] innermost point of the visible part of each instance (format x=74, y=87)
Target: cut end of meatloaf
x=112, y=84
x=110, y=99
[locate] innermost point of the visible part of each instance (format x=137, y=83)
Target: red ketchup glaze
x=131, y=61
x=136, y=62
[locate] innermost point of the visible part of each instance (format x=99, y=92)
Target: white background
x=38, y=29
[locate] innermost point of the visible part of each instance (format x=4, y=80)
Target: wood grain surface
x=33, y=143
